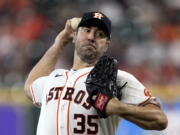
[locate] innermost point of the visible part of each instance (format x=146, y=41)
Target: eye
x=86, y=29
x=100, y=34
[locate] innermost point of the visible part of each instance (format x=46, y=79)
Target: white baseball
x=74, y=23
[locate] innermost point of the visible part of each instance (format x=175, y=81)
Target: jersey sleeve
x=134, y=92
x=39, y=85
x=37, y=89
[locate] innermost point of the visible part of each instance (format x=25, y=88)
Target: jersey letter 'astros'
x=65, y=109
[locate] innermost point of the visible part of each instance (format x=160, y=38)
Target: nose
x=91, y=36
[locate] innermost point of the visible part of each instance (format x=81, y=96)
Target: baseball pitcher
x=93, y=96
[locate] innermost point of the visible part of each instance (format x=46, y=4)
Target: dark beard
x=87, y=55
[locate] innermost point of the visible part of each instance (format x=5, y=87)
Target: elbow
x=162, y=123
x=159, y=123
x=27, y=91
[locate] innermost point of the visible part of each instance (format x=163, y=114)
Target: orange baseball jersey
x=65, y=109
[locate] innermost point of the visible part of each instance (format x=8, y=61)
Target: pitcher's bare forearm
x=45, y=65
x=48, y=62
x=148, y=117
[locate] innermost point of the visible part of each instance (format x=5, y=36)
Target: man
x=62, y=94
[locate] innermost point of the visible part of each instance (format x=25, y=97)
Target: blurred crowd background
x=145, y=40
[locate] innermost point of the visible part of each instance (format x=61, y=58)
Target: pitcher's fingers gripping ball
x=74, y=22
x=101, y=84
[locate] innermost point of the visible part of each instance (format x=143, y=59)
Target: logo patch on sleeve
x=147, y=93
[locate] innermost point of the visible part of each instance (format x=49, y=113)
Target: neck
x=78, y=63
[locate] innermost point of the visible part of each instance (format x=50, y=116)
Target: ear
x=107, y=45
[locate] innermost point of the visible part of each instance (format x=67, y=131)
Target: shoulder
x=133, y=92
x=53, y=74
x=123, y=75
x=131, y=80
x=58, y=72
